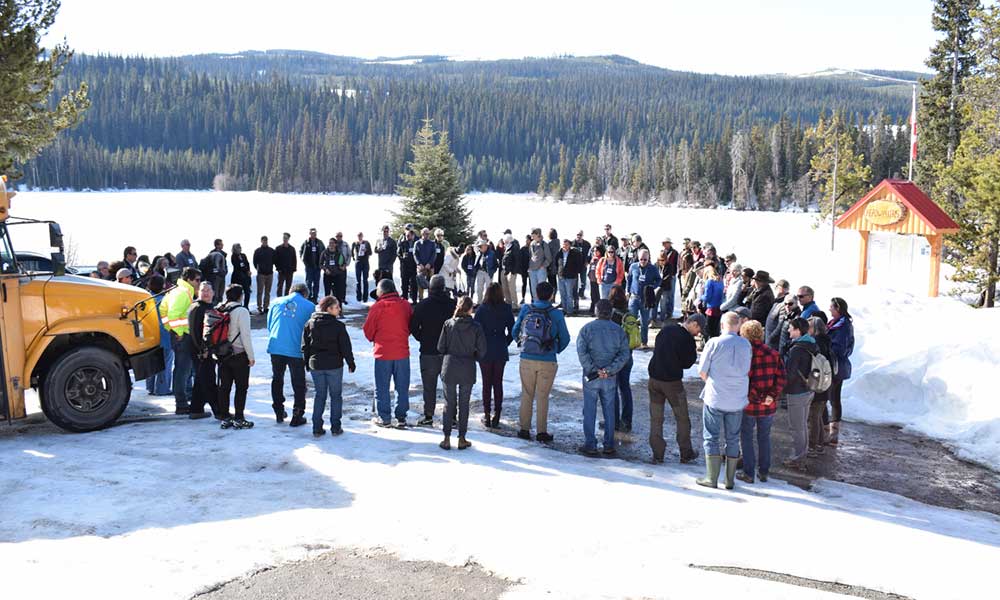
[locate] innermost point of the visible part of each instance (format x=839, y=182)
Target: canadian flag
x=913, y=127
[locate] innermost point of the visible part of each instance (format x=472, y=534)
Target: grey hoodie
x=541, y=256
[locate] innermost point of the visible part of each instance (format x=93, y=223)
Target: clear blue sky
x=718, y=36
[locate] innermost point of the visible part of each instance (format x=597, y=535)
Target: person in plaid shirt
x=767, y=380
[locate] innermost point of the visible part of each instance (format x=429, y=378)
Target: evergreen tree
x=543, y=184
x=27, y=79
x=975, y=172
x=834, y=147
x=952, y=59
x=432, y=190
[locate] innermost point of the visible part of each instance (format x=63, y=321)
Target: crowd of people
x=761, y=347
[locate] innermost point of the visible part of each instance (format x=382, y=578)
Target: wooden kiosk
x=899, y=207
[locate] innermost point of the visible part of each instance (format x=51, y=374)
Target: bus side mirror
x=58, y=264
x=55, y=236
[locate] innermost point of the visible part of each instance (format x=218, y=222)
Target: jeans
x=183, y=366
x=312, y=282
x=798, y=423
x=606, y=290
x=399, y=372
x=361, y=275
x=623, y=396
x=750, y=462
x=637, y=307
x=582, y=291
x=593, y=391
x=665, y=307
x=535, y=277
x=161, y=384
x=235, y=369
x=567, y=294
x=297, y=371
x=330, y=383
x=430, y=372
x=715, y=424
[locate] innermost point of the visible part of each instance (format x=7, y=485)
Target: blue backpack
x=536, y=331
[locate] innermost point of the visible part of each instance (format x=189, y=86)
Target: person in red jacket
x=388, y=327
x=767, y=380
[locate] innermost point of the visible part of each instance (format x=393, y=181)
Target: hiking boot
x=279, y=415
x=524, y=434
x=656, y=460
x=762, y=476
x=485, y=421
x=227, y=423
x=401, y=424
x=319, y=432
x=184, y=409
x=609, y=452
x=834, y=434
x=380, y=423
x=297, y=421
x=336, y=430
x=445, y=444
x=464, y=444
x=744, y=477
x=713, y=464
x=689, y=458
x=199, y=415
x=591, y=452
x=495, y=422
x=543, y=437
x=240, y=423
x=426, y=421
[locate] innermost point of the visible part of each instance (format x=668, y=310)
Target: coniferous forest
x=578, y=128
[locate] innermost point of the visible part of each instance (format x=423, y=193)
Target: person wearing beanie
x=426, y=322
x=603, y=349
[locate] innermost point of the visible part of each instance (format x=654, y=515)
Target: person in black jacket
x=263, y=261
x=407, y=265
x=205, y=390
x=762, y=300
x=462, y=343
x=385, y=247
x=241, y=272
x=326, y=346
x=428, y=318
x=798, y=366
x=497, y=320
x=817, y=429
x=310, y=253
x=361, y=251
x=569, y=267
x=333, y=262
x=553, y=272
x=674, y=351
x=581, y=244
x=285, y=263
x=510, y=264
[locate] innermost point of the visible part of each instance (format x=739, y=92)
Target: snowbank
x=925, y=364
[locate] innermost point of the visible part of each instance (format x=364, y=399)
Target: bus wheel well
x=64, y=342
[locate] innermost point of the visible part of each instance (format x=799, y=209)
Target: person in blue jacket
x=541, y=333
x=286, y=320
x=807, y=300
x=841, y=332
x=425, y=254
x=642, y=275
x=712, y=297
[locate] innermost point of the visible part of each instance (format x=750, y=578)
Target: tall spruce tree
x=940, y=121
x=975, y=172
x=27, y=77
x=432, y=188
x=835, y=152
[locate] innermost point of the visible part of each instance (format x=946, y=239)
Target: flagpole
x=913, y=131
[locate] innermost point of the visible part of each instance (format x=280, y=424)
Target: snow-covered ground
x=925, y=364
x=164, y=509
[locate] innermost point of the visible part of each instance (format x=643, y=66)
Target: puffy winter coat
x=498, y=322
x=326, y=344
x=388, y=327
x=842, y=341
x=428, y=318
x=462, y=343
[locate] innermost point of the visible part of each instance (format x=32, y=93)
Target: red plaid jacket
x=767, y=378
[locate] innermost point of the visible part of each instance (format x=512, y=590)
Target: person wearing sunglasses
x=806, y=297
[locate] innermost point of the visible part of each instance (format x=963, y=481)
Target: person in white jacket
x=451, y=269
x=735, y=289
x=235, y=368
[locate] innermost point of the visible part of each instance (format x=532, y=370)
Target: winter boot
x=712, y=466
x=834, y=433
x=445, y=444
x=730, y=473
x=463, y=443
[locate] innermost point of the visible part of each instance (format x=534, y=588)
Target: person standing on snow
x=497, y=319
x=285, y=264
x=385, y=247
x=361, y=251
x=603, y=350
x=241, y=272
x=643, y=279
x=310, y=253
x=725, y=368
x=326, y=346
x=174, y=317
x=798, y=366
x=767, y=381
x=674, y=352
x=462, y=343
x=388, y=328
x=285, y=322
x=235, y=368
x=841, y=330
x=206, y=389
x=429, y=316
x=569, y=267
x=263, y=262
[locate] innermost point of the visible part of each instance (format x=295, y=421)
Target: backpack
x=632, y=329
x=820, y=374
x=536, y=331
x=216, y=333
x=207, y=267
